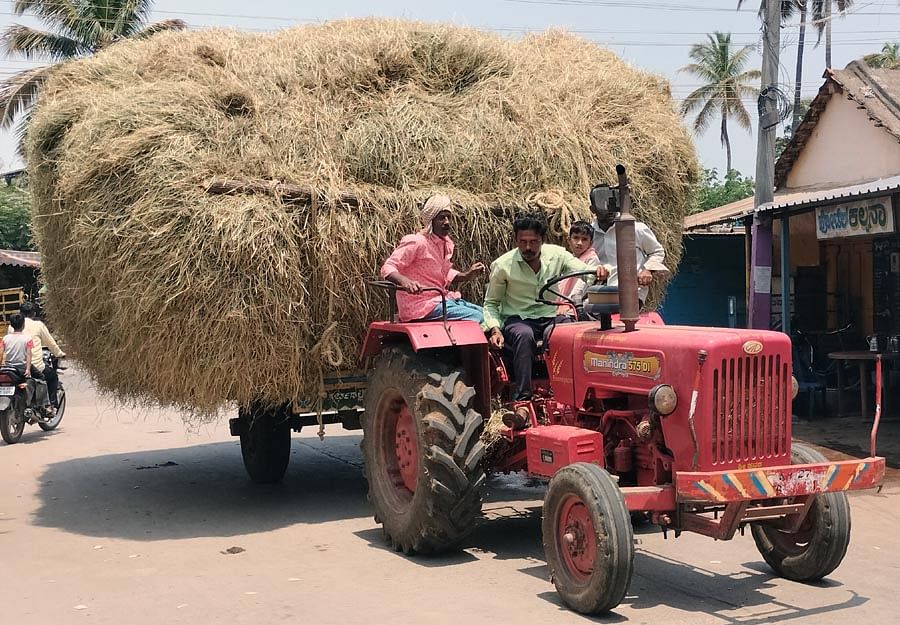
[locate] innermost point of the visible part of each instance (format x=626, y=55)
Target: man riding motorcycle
x=42, y=338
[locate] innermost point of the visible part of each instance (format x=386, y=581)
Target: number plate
x=7, y=390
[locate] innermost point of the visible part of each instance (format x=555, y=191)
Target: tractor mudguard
x=422, y=335
x=465, y=336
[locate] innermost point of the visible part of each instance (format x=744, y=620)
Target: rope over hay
x=210, y=204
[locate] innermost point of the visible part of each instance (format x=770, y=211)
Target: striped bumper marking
x=708, y=488
x=761, y=481
x=732, y=480
x=830, y=475
x=860, y=468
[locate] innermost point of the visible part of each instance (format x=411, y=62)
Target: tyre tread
x=445, y=508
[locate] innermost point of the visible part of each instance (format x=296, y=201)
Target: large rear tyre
x=265, y=444
x=820, y=544
x=12, y=424
x=588, y=539
x=53, y=423
x=422, y=449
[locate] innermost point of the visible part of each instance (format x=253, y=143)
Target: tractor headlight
x=663, y=399
x=795, y=388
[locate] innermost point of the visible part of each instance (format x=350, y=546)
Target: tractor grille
x=751, y=404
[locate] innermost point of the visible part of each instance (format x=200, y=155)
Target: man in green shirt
x=511, y=314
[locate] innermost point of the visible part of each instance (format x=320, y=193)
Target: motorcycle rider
x=42, y=338
x=16, y=347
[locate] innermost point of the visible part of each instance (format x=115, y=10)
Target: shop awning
x=722, y=217
x=798, y=198
x=718, y=219
x=20, y=259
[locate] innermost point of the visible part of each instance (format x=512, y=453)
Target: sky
x=654, y=35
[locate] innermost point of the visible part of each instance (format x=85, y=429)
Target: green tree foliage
x=714, y=192
x=888, y=58
x=15, y=219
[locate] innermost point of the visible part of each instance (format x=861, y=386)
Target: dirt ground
x=126, y=517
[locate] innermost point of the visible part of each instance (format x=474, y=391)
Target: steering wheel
x=552, y=282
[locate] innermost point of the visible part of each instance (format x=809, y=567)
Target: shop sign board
x=873, y=216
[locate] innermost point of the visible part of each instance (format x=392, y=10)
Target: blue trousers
x=457, y=310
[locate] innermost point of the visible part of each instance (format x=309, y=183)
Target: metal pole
x=761, y=254
x=629, y=307
x=785, y=273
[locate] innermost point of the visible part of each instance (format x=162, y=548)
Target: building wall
x=845, y=147
x=712, y=269
x=804, y=249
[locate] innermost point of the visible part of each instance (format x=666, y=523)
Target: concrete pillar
x=760, y=311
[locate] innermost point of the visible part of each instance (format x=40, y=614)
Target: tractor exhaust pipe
x=629, y=306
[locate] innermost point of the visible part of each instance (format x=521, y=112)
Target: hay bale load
x=326, y=137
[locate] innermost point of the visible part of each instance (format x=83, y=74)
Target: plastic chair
x=810, y=383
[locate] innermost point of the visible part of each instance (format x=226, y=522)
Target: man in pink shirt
x=424, y=260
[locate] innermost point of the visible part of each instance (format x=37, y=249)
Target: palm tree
x=888, y=58
x=75, y=28
x=800, y=5
x=725, y=84
x=822, y=18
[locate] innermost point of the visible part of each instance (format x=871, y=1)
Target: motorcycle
x=17, y=401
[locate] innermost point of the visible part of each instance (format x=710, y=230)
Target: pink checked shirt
x=574, y=288
x=424, y=258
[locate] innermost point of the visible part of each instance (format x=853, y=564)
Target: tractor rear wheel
x=265, y=444
x=588, y=539
x=820, y=544
x=422, y=450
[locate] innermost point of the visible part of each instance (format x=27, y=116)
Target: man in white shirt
x=649, y=254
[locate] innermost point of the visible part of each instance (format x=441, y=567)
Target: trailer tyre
x=265, y=444
x=423, y=451
x=588, y=539
x=821, y=543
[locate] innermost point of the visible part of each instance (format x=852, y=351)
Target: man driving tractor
x=511, y=315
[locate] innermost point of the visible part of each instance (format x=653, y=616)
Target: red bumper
x=776, y=482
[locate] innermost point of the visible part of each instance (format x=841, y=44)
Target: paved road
x=125, y=516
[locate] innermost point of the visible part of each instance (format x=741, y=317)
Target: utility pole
x=761, y=230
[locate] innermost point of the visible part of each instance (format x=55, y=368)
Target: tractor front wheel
x=265, y=444
x=820, y=544
x=422, y=450
x=588, y=539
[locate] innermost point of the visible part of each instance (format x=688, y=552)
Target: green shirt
x=514, y=285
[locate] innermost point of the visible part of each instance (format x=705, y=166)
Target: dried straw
x=170, y=294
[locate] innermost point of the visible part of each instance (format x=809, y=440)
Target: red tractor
x=690, y=426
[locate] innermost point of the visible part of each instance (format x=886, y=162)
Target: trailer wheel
x=821, y=543
x=422, y=451
x=265, y=444
x=588, y=539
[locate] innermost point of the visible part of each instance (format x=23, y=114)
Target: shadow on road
x=33, y=435
x=737, y=598
x=201, y=491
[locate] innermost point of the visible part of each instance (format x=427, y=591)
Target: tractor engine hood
x=742, y=412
